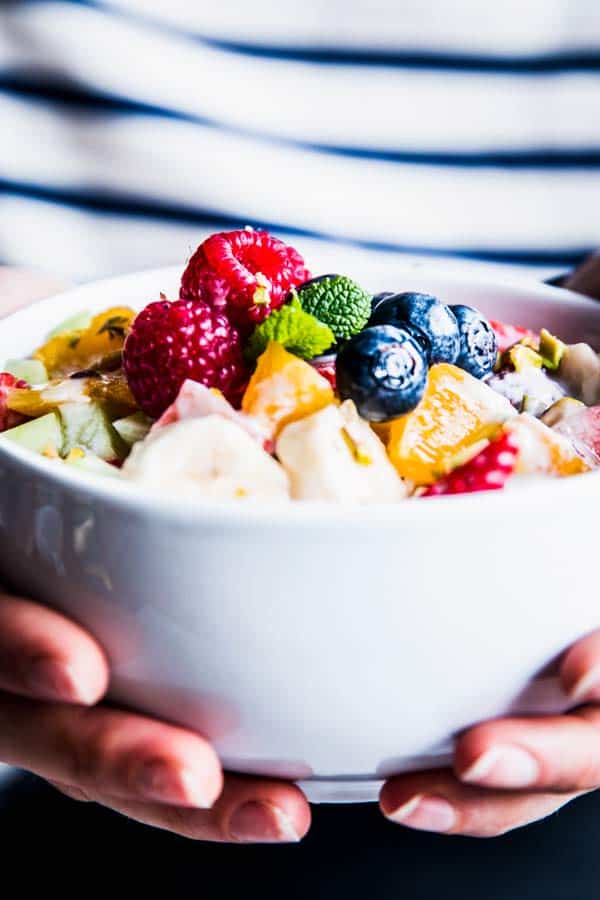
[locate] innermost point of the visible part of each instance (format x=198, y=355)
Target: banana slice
x=334, y=455
x=209, y=457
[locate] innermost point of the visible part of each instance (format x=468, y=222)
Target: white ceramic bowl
x=329, y=645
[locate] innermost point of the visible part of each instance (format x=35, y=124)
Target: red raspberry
x=172, y=341
x=245, y=274
x=508, y=335
x=8, y=418
x=488, y=471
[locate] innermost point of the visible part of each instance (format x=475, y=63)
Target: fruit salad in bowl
x=263, y=382
x=325, y=526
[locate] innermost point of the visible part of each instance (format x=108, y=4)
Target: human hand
x=52, y=677
x=510, y=772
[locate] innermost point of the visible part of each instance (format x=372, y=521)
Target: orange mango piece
x=456, y=411
x=78, y=350
x=284, y=389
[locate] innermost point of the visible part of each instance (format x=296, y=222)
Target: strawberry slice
x=507, y=335
x=8, y=418
x=488, y=471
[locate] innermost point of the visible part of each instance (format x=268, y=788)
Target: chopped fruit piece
x=39, y=402
x=523, y=358
x=293, y=328
x=111, y=390
x=383, y=370
x=38, y=435
x=194, y=401
x=87, y=426
x=456, y=410
x=561, y=410
x=8, y=385
x=489, y=470
x=78, y=322
x=580, y=370
x=133, y=428
x=507, y=335
x=89, y=462
x=337, y=301
x=29, y=370
x=170, y=342
x=430, y=322
x=325, y=366
x=334, y=455
x=529, y=391
x=206, y=458
x=551, y=350
x=283, y=389
x=244, y=274
x=582, y=428
x=478, y=344
x=543, y=450
x=83, y=348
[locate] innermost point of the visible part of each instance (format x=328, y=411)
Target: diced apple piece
x=30, y=370
x=133, y=428
x=40, y=435
x=87, y=426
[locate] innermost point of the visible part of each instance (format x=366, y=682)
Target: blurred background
x=388, y=130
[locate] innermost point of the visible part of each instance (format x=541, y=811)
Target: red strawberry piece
x=508, y=335
x=194, y=401
x=8, y=418
x=325, y=366
x=488, y=471
x=170, y=342
x=245, y=274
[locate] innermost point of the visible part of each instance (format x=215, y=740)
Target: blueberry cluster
x=384, y=367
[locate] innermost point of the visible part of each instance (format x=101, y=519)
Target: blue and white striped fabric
x=393, y=128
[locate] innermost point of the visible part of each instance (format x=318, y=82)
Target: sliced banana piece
x=334, y=455
x=209, y=457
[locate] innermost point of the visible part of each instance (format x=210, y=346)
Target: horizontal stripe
x=461, y=25
x=87, y=100
x=107, y=203
x=189, y=165
x=409, y=112
x=82, y=245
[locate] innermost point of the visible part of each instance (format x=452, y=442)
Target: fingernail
x=504, y=767
x=588, y=686
x=425, y=813
x=259, y=822
x=52, y=679
x=167, y=783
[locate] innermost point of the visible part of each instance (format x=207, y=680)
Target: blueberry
x=432, y=317
x=378, y=298
x=384, y=370
x=478, y=344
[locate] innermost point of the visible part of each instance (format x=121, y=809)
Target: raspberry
x=507, y=335
x=8, y=418
x=172, y=341
x=245, y=274
x=488, y=471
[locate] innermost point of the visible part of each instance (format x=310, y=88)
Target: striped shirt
x=384, y=130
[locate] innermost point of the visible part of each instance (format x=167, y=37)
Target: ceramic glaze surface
x=329, y=645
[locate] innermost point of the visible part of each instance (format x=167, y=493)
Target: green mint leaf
x=295, y=329
x=338, y=302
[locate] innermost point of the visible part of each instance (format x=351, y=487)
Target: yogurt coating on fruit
x=263, y=382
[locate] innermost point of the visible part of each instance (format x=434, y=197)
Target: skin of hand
x=511, y=772
x=53, y=675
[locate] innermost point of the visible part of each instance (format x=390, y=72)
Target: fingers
x=18, y=287
x=249, y=811
x=437, y=801
x=580, y=670
x=105, y=751
x=560, y=753
x=44, y=655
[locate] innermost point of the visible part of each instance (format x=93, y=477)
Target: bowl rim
x=183, y=510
